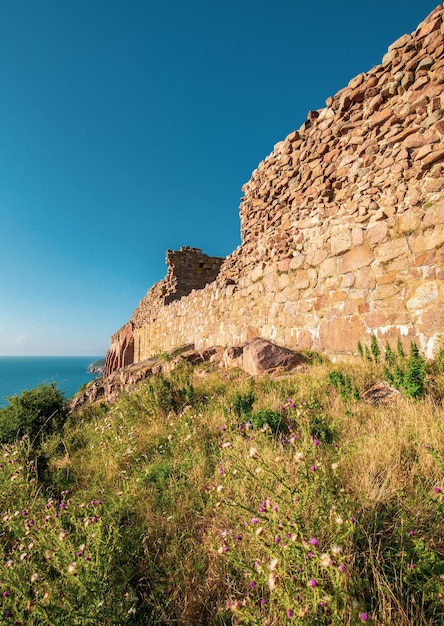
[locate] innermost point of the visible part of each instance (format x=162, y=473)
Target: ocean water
x=27, y=372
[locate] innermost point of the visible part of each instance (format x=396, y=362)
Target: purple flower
x=310, y=555
x=341, y=568
x=314, y=541
x=313, y=468
x=363, y=616
x=313, y=582
x=289, y=613
x=437, y=490
x=263, y=601
x=254, y=520
x=63, y=505
x=252, y=584
x=315, y=442
x=5, y=594
x=411, y=533
x=238, y=537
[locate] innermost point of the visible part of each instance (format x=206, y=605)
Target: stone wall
x=342, y=225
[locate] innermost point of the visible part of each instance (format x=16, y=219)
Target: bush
x=34, y=413
x=266, y=417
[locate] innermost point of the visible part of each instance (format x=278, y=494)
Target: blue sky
x=129, y=127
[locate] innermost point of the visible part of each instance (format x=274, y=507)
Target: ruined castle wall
x=342, y=224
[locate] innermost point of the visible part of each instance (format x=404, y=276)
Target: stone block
x=362, y=256
x=341, y=334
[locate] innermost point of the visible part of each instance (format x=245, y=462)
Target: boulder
x=381, y=393
x=260, y=356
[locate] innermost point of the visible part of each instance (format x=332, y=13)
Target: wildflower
x=263, y=601
x=325, y=560
x=363, y=616
x=34, y=578
x=252, y=453
x=316, y=442
x=272, y=581
x=341, y=568
x=339, y=520
x=313, y=468
x=313, y=582
x=411, y=533
x=226, y=444
x=313, y=541
x=334, y=466
x=258, y=470
x=289, y=613
x=259, y=531
x=62, y=534
x=252, y=584
x=273, y=565
x=299, y=456
x=63, y=505
x=5, y=594
x=310, y=555
x=336, y=549
x=254, y=520
x=72, y=569
x=437, y=490
x=80, y=550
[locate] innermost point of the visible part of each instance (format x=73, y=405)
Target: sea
x=18, y=373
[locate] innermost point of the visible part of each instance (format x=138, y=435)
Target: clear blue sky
x=129, y=127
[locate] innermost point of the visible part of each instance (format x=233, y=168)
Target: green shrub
x=243, y=403
x=406, y=374
x=34, y=413
x=343, y=384
x=266, y=417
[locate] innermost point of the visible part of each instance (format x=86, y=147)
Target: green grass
x=212, y=498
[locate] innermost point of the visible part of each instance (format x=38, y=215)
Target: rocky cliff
x=342, y=227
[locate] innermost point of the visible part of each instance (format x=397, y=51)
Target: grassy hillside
x=207, y=497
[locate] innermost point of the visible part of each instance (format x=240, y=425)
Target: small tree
x=34, y=413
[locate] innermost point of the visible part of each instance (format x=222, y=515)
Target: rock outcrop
x=342, y=228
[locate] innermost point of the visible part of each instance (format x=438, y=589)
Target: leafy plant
x=343, y=384
x=406, y=374
x=243, y=403
x=34, y=413
x=266, y=417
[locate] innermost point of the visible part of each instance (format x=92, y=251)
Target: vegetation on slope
x=208, y=497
